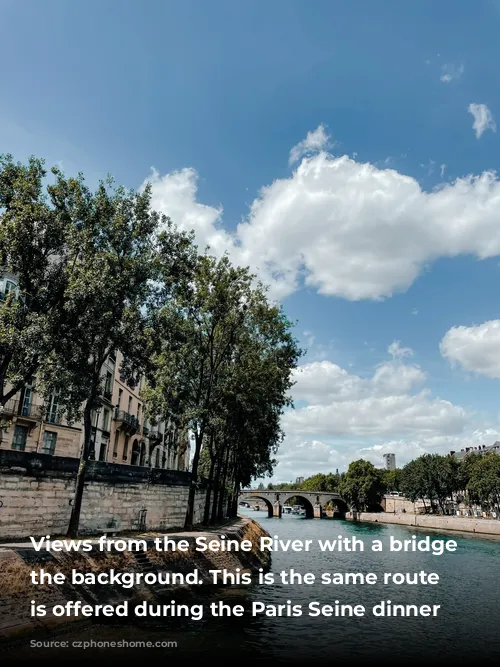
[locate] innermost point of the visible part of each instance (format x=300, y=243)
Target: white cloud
x=451, y=73
x=398, y=352
x=475, y=349
x=483, y=119
x=315, y=141
x=342, y=227
x=300, y=457
x=348, y=417
x=342, y=404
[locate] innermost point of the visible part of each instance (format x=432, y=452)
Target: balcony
x=31, y=412
x=126, y=421
x=10, y=409
x=27, y=413
x=145, y=431
x=154, y=434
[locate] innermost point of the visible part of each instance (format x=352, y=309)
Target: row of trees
x=433, y=479
x=436, y=480
x=99, y=271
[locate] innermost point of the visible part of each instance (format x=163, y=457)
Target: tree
x=362, y=485
x=484, y=482
x=256, y=393
x=392, y=480
x=33, y=248
x=321, y=482
x=433, y=477
x=194, y=334
x=112, y=245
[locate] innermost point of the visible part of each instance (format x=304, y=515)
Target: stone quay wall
x=452, y=523
x=37, y=492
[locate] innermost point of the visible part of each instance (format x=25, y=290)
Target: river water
x=467, y=625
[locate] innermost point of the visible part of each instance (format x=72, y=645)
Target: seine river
x=467, y=626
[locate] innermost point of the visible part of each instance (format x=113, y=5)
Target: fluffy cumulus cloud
x=475, y=349
x=342, y=416
x=483, y=119
x=345, y=228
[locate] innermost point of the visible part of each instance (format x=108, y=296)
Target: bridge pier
x=318, y=512
x=277, y=510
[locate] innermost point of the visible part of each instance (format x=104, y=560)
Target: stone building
x=120, y=432
x=481, y=450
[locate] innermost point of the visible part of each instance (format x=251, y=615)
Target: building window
x=130, y=405
x=105, y=420
x=115, y=446
x=120, y=394
x=108, y=387
x=53, y=409
x=20, y=438
x=10, y=287
x=49, y=443
x=125, y=447
x=27, y=398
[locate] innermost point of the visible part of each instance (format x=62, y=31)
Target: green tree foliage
x=431, y=477
x=112, y=244
x=221, y=362
x=33, y=247
x=362, y=486
x=484, y=481
x=392, y=480
x=321, y=482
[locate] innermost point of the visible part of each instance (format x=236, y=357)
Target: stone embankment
x=452, y=523
x=17, y=561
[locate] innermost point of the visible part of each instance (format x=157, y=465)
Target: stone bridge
x=314, y=502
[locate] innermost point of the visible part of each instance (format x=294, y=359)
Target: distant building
x=390, y=461
x=480, y=449
x=299, y=480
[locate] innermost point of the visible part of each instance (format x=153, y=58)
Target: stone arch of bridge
x=266, y=501
x=339, y=505
x=303, y=500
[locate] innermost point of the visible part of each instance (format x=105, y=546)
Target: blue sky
x=377, y=231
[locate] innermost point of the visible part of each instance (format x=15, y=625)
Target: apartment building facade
x=120, y=430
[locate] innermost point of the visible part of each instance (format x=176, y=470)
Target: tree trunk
x=74, y=522
x=198, y=439
x=206, y=513
x=215, y=498
x=234, y=508
x=220, y=512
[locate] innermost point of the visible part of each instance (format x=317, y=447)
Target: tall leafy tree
x=484, y=481
x=195, y=333
x=112, y=244
x=33, y=248
x=362, y=486
x=255, y=396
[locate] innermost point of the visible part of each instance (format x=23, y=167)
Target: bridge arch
x=304, y=501
x=248, y=498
